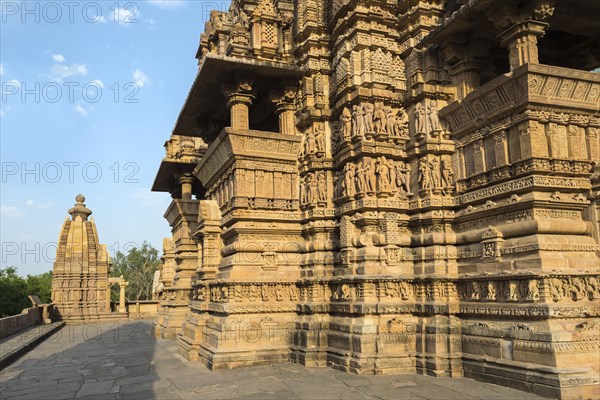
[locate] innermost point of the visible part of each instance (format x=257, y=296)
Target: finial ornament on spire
x=80, y=209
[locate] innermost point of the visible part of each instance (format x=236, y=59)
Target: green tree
x=137, y=267
x=41, y=285
x=14, y=290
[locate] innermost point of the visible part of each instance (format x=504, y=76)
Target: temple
x=80, y=278
x=389, y=187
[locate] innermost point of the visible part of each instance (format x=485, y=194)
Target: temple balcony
x=251, y=169
x=535, y=119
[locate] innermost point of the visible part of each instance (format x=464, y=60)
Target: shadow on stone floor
x=104, y=360
x=124, y=361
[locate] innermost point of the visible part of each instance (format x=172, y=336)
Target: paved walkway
x=124, y=361
x=14, y=346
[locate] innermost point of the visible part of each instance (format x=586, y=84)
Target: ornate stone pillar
x=521, y=28
x=521, y=41
x=108, y=290
x=186, y=182
x=285, y=109
x=122, y=286
x=466, y=61
x=239, y=99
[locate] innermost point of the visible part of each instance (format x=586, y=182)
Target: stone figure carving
x=370, y=176
x=420, y=118
x=361, y=180
x=476, y=290
x=425, y=174
x=319, y=138
x=338, y=184
x=390, y=120
x=321, y=186
x=432, y=117
x=393, y=175
x=382, y=172
x=311, y=188
x=358, y=129
x=533, y=291
x=349, y=174
x=447, y=176
x=310, y=143
x=403, y=177
x=512, y=293
x=491, y=291
x=368, y=117
x=346, y=124
x=401, y=124
x=380, y=119
x=434, y=170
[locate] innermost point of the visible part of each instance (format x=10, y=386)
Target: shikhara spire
x=80, y=277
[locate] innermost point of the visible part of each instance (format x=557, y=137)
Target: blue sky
x=90, y=92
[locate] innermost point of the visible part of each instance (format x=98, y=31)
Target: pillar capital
x=521, y=28
x=240, y=91
x=186, y=181
x=239, y=98
x=284, y=102
x=521, y=41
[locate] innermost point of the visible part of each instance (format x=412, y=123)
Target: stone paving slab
x=122, y=360
x=15, y=346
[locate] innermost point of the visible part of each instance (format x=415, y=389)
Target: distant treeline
x=14, y=290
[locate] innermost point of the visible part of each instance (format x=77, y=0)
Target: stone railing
x=536, y=119
x=141, y=309
x=531, y=86
x=29, y=317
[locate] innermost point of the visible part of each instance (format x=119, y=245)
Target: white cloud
x=140, y=78
x=125, y=17
x=151, y=23
x=4, y=110
x=12, y=82
x=168, y=4
x=11, y=212
x=58, y=58
x=80, y=110
x=1, y=70
x=38, y=204
x=98, y=82
x=64, y=71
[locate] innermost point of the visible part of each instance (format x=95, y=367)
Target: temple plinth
x=80, y=277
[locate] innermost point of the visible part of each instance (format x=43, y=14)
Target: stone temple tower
x=80, y=283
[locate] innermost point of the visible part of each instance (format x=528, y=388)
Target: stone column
x=521, y=41
x=285, y=109
x=122, y=286
x=108, y=290
x=466, y=61
x=521, y=28
x=239, y=100
x=186, y=182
